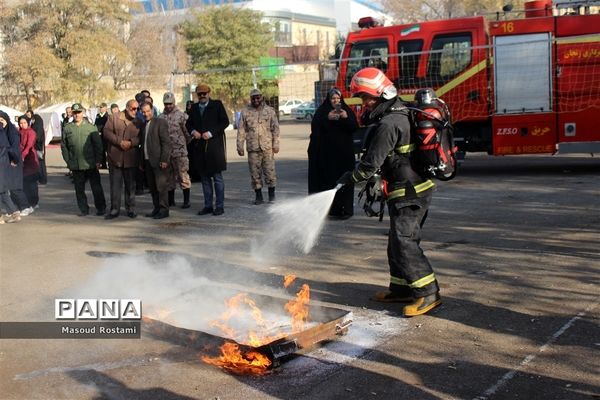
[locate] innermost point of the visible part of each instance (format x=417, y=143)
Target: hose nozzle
x=338, y=186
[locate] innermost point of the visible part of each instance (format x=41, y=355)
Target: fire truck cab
x=514, y=86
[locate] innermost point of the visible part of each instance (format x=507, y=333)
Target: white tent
x=52, y=116
x=12, y=113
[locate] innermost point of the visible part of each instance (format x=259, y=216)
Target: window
x=281, y=29
x=450, y=55
x=409, y=63
x=370, y=54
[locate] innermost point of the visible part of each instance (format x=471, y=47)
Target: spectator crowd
x=144, y=151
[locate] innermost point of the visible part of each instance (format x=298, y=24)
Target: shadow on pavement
x=110, y=388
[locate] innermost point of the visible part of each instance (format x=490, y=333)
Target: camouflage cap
x=169, y=98
x=255, y=92
x=77, y=107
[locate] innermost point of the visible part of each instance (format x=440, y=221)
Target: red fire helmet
x=373, y=82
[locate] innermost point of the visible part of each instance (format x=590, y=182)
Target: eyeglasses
x=202, y=93
x=133, y=108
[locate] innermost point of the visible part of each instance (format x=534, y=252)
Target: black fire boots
x=186, y=198
x=259, y=197
x=271, y=194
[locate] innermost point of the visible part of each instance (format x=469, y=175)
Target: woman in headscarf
x=10, y=157
x=188, y=106
x=331, y=152
x=37, y=124
x=31, y=165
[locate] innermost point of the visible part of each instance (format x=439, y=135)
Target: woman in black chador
x=331, y=153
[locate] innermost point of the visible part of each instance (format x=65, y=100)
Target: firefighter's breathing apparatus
x=372, y=196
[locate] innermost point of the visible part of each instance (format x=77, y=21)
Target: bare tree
x=407, y=11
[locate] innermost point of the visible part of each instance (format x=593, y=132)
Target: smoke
x=162, y=284
x=193, y=294
x=174, y=291
x=136, y=276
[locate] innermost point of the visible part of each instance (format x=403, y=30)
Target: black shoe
x=111, y=215
x=259, y=197
x=83, y=214
x=219, y=211
x=186, y=198
x=101, y=212
x=131, y=214
x=161, y=215
x=271, y=195
x=152, y=214
x=205, y=210
x=340, y=217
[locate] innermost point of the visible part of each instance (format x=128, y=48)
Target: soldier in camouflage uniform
x=179, y=155
x=259, y=129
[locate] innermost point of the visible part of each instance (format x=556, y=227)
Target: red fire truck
x=514, y=86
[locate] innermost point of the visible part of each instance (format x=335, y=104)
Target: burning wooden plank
x=266, y=347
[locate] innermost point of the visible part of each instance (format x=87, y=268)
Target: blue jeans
x=207, y=189
x=19, y=199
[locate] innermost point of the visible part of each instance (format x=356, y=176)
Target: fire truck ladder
x=577, y=5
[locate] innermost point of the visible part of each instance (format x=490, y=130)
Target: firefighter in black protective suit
x=409, y=191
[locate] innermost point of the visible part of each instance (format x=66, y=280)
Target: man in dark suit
x=206, y=124
x=100, y=122
x=156, y=152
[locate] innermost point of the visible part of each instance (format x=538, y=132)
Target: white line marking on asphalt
x=510, y=374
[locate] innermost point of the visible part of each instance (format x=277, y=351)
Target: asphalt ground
x=514, y=242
